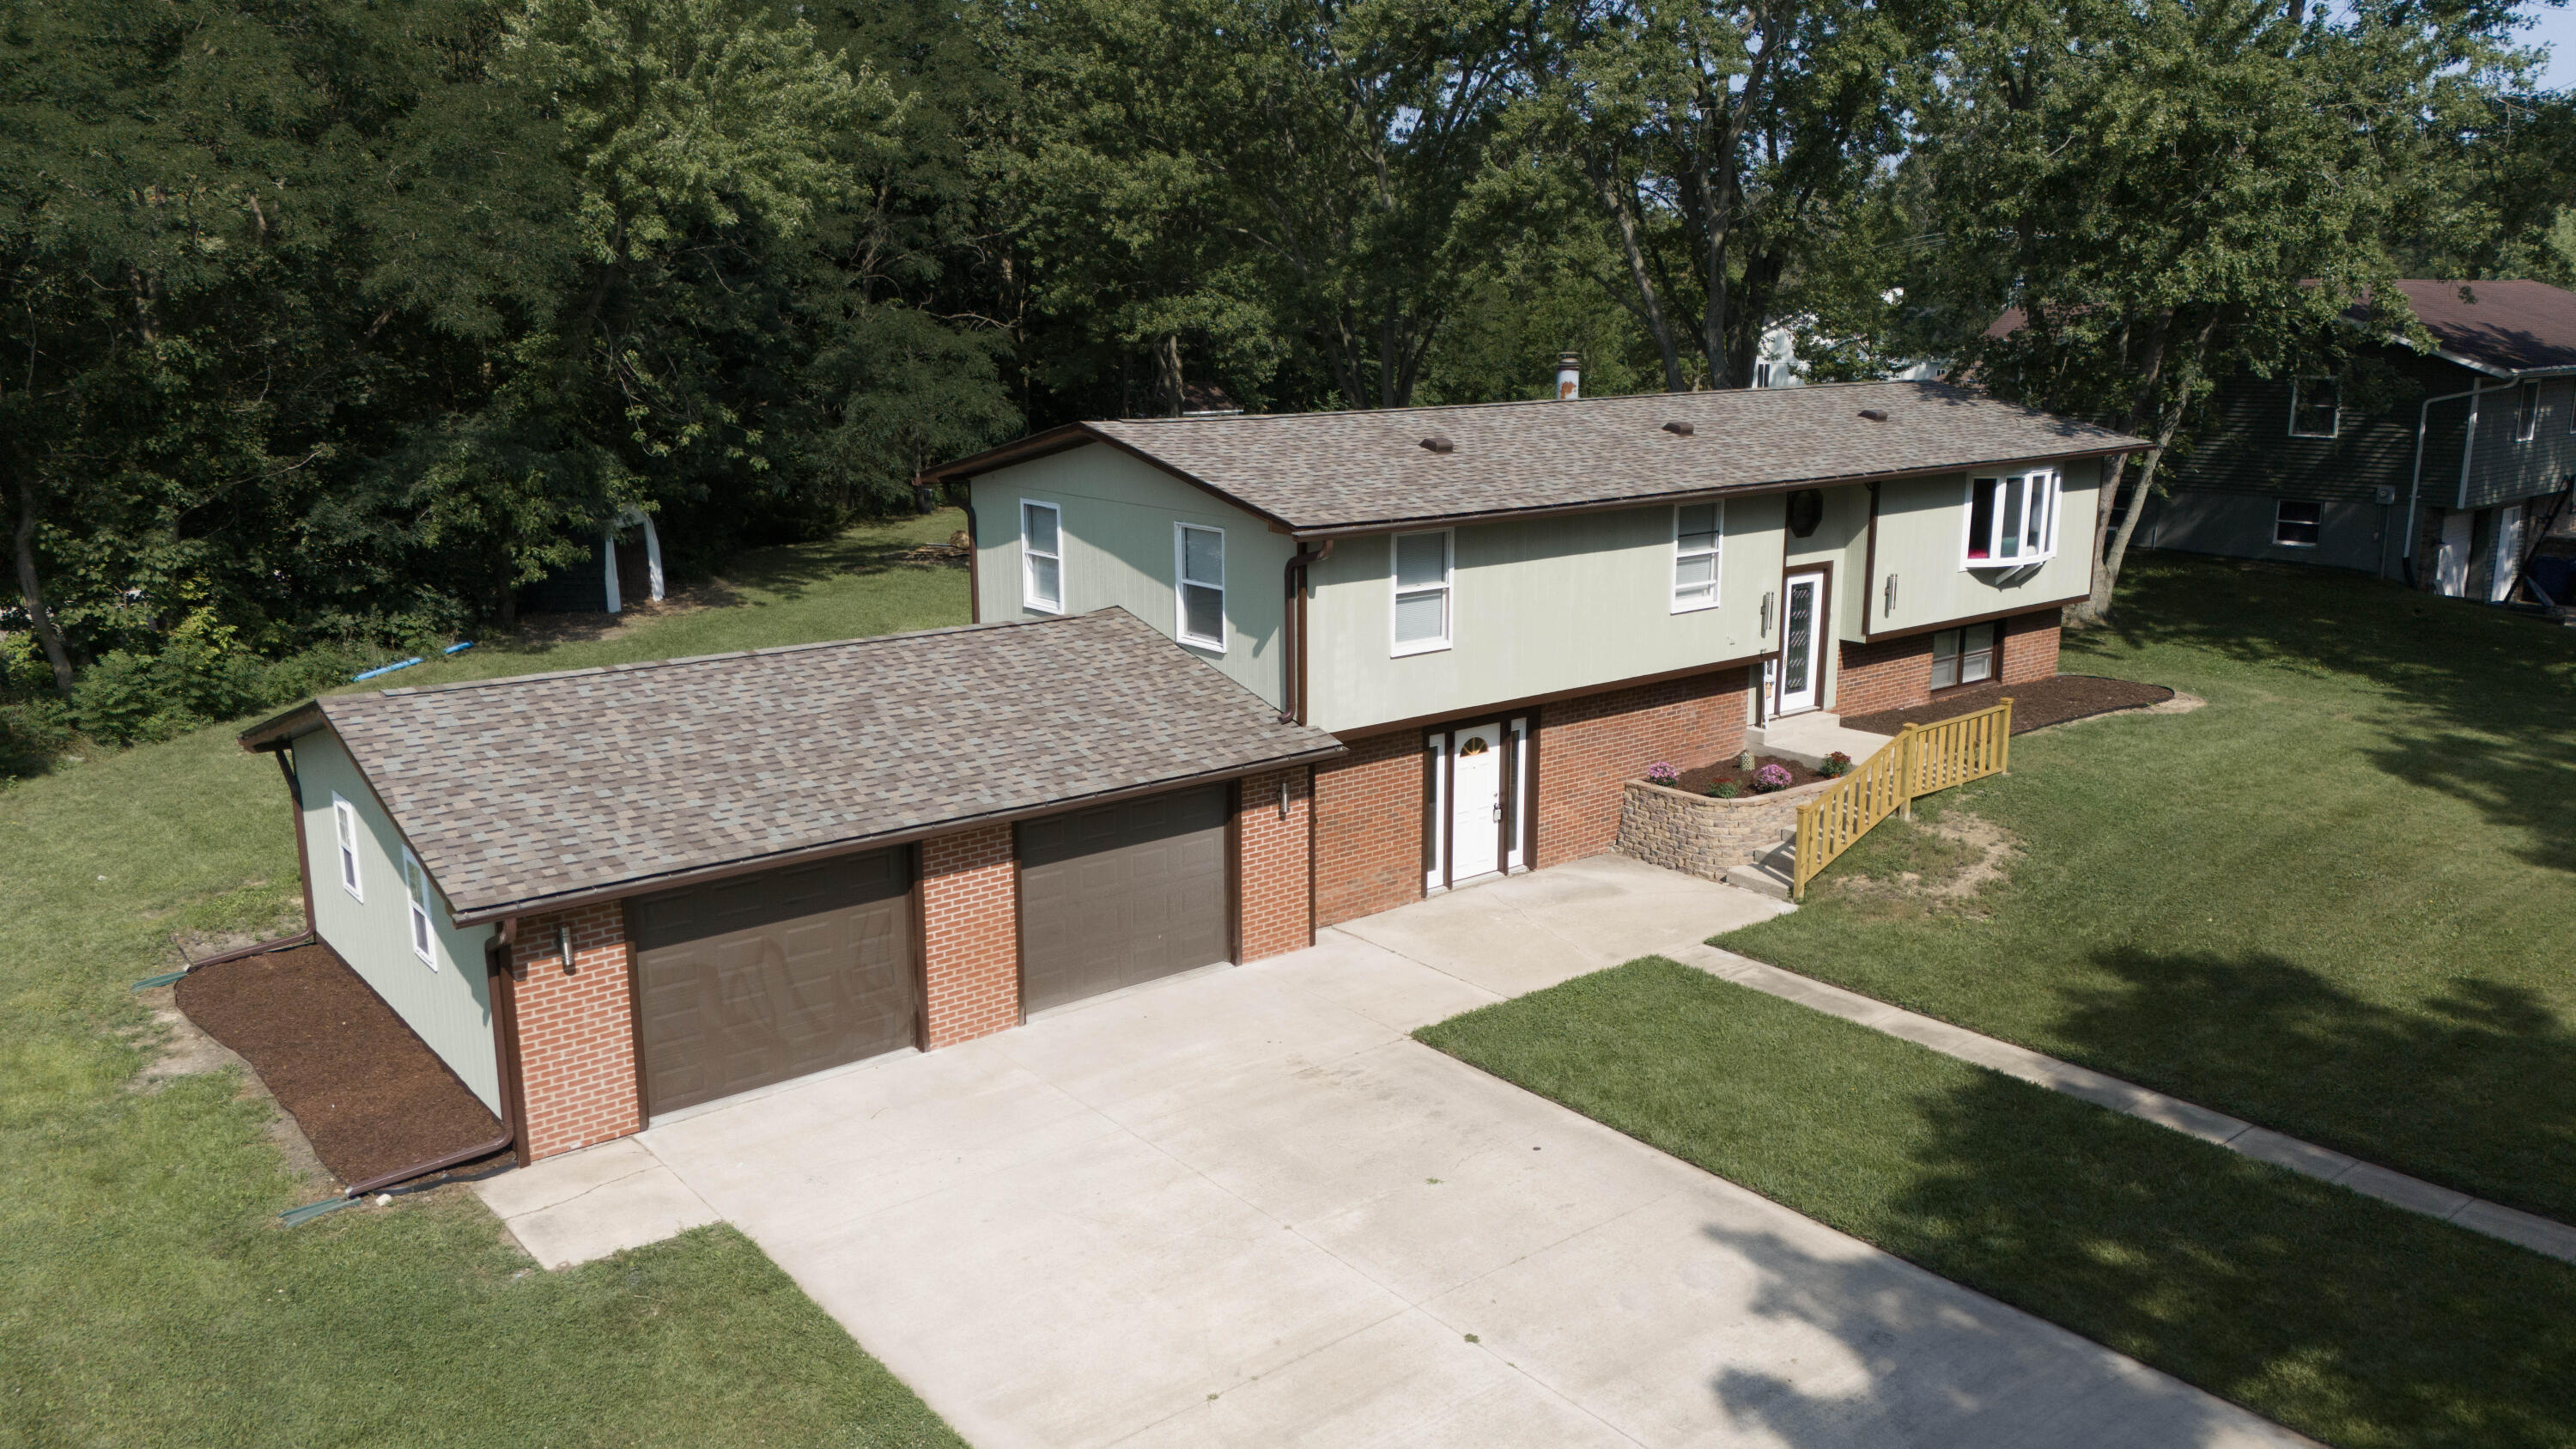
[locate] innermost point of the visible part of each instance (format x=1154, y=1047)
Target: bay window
x=2012, y=520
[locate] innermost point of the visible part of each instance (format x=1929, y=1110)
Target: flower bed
x=1702, y=835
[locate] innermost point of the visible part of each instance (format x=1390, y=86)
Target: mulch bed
x=2036, y=705
x=1699, y=781
x=371, y=1097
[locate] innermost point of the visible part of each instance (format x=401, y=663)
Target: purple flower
x=1660, y=773
x=1770, y=778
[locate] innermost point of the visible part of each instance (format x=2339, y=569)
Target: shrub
x=1770, y=778
x=1726, y=789
x=1836, y=763
x=33, y=733
x=1660, y=773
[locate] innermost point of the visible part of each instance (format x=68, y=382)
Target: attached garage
x=1121, y=894
x=764, y=977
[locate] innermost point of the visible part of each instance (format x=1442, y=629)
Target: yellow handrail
x=1921, y=759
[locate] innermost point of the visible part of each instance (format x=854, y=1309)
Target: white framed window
x=1198, y=576
x=2526, y=413
x=2295, y=523
x=1963, y=656
x=2011, y=520
x=344, y=835
x=1423, y=564
x=1041, y=557
x=2316, y=407
x=1696, y=529
x=416, y=902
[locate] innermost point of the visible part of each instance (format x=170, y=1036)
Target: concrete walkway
x=1245, y=1208
x=2539, y=1234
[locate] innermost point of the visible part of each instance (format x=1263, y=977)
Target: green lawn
x=147, y=1294
x=2337, y=901
x=2349, y=1320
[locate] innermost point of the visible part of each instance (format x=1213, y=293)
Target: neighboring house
x=1232, y=678
x=2443, y=483
x=1777, y=363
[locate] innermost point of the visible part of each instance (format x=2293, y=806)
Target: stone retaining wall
x=1702, y=835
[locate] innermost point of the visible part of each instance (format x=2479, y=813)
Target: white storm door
x=1476, y=803
x=2451, y=559
x=1802, y=642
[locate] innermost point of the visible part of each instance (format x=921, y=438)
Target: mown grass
x=147, y=1293
x=2337, y=901
x=2352, y=1321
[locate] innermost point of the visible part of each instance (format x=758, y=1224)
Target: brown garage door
x=1120, y=894
x=771, y=976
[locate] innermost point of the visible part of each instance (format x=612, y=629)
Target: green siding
x=1922, y=541
x=449, y=1005
x=2502, y=470
x=2244, y=444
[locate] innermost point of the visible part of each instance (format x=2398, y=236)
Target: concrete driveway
x=1244, y=1208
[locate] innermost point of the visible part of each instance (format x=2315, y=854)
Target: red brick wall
x=1271, y=862
x=970, y=935
x=576, y=1031
x=2030, y=647
x=1587, y=746
x=1890, y=674
x=1368, y=828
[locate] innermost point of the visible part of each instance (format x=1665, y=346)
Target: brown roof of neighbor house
x=1321, y=472
x=521, y=794
x=2514, y=326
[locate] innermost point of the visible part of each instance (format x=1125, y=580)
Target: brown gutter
x=505, y=1047
x=1292, y=662
x=646, y=884
x=261, y=948
x=1868, y=637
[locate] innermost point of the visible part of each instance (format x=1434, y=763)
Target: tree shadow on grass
x=2476, y=1088
x=2489, y=696
x=2353, y=1321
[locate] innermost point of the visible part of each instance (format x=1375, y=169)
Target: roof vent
x=1679, y=429
x=1439, y=444
x=1875, y=415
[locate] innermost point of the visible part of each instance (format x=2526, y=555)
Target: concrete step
x=1808, y=738
x=1769, y=875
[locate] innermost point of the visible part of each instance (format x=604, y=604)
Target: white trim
x=1182, y=584
x=1446, y=589
x=344, y=841
x=2041, y=490
x=1028, y=568
x=1715, y=553
x=2333, y=428
x=2318, y=523
x=2526, y=417
x=1516, y=854
x=1960, y=654
x=421, y=926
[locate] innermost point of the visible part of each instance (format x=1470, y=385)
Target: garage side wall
x=1588, y=746
x=446, y=1001
x=970, y=942
x=576, y=1030
x=1272, y=863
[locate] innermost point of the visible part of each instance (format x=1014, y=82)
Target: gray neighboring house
x=2448, y=485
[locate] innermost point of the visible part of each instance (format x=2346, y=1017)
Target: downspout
x=1292, y=626
x=2423, y=416
x=496, y=965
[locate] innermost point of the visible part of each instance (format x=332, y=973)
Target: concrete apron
x=1246, y=1209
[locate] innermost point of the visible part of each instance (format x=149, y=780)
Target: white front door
x=1476, y=803
x=2451, y=559
x=1802, y=643
x=2508, y=555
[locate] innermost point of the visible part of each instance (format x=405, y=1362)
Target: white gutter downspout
x=2423, y=414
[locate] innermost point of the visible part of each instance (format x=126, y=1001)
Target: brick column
x=1368, y=828
x=970, y=938
x=1272, y=865
x=576, y=1031
x=2029, y=643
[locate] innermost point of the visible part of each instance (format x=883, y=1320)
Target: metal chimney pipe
x=1569, y=376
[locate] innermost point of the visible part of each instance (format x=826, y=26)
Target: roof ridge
x=640, y=665
x=1344, y=414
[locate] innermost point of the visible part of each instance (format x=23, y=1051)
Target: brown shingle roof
x=521, y=792
x=2515, y=326
x=1315, y=471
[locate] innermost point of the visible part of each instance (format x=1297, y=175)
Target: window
x=2011, y=521
x=416, y=896
x=2294, y=523
x=2316, y=407
x=1199, y=569
x=344, y=828
x=1695, y=537
x=1042, y=557
x=1422, y=567
x=1762, y=374
x=1963, y=656
x=2526, y=413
